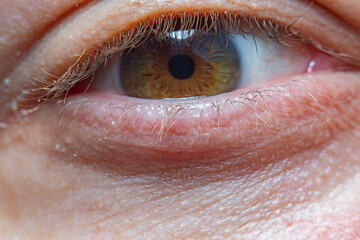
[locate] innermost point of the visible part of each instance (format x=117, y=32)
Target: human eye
x=132, y=142
x=202, y=54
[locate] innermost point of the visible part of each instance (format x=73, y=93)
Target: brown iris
x=182, y=65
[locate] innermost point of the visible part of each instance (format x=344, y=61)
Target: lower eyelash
x=251, y=99
x=211, y=20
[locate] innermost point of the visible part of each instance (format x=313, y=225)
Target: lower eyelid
x=267, y=120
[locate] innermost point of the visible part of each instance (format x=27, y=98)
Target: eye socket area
x=241, y=128
x=186, y=125
x=105, y=147
x=161, y=113
x=162, y=124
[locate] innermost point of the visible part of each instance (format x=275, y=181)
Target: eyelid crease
x=347, y=9
x=45, y=15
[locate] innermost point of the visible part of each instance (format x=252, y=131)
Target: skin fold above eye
x=28, y=21
x=345, y=9
x=276, y=161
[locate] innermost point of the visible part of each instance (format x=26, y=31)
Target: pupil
x=181, y=66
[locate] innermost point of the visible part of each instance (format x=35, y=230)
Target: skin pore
x=77, y=176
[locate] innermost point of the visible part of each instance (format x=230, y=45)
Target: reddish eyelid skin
x=245, y=117
x=181, y=125
x=280, y=162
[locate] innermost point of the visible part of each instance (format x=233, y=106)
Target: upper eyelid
x=111, y=17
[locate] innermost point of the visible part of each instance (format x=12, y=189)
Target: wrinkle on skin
x=67, y=200
x=48, y=192
x=347, y=10
x=22, y=22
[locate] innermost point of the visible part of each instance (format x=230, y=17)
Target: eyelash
x=202, y=22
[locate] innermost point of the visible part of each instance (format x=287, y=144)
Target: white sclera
x=267, y=59
x=261, y=62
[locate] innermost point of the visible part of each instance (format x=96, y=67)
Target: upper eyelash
x=200, y=21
